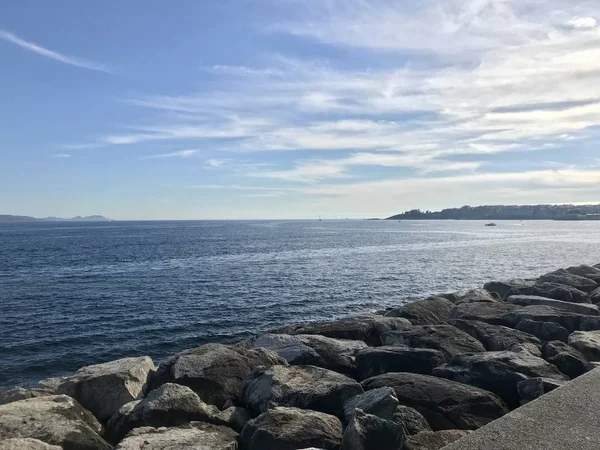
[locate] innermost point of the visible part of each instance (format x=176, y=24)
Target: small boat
x=492, y=224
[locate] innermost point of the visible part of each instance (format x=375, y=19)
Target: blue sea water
x=74, y=294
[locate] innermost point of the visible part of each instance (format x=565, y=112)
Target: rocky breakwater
x=415, y=377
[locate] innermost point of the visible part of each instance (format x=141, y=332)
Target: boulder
x=539, y=313
x=192, y=436
x=561, y=276
x=433, y=440
x=551, y=290
x=430, y=311
x=498, y=372
x=366, y=432
x=292, y=428
x=168, y=405
x=495, y=337
x=533, y=388
x=444, y=403
x=315, y=350
x=412, y=420
x=587, y=342
x=56, y=420
x=595, y=296
x=446, y=338
x=476, y=295
x=590, y=272
x=306, y=387
x=488, y=312
x=19, y=393
x=104, y=388
x=214, y=371
x=377, y=360
x=532, y=300
x=234, y=417
x=367, y=328
x=546, y=331
x=502, y=288
x=568, y=360
x=380, y=402
x=26, y=444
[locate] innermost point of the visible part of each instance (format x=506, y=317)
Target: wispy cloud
x=214, y=163
x=178, y=154
x=61, y=155
x=73, y=61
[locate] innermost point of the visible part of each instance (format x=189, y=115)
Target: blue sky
x=294, y=109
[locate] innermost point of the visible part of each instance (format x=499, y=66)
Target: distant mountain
x=506, y=212
x=9, y=218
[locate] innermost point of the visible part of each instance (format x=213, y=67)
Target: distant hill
x=9, y=218
x=506, y=212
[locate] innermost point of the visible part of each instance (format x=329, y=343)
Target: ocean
x=74, y=294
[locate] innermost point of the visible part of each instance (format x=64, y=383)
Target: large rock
x=306, y=387
x=315, y=350
x=595, y=296
x=488, y=312
x=475, y=295
x=435, y=440
x=292, y=428
x=366, y=432
x=411, y=420
x=446, y=338
x=214, y=371
x=495, y=337
x=192, y=436
x=234, y=417
x=531, y=300
x=561, y=276
x=26, y=444
x=377, y=360
x=498, y=372
x=367, y=328
x=545, y=331
x=380, y=402
x=502, y=288
x=587, y=342
x=593, y=273
x=539, y=313
x=533, y=388
x=430, y=311
x=568, y=360
x=104, y=388
x=444, y=403
x=56, y=420
x=19, y=393
x=551, y=290
x=166, y=406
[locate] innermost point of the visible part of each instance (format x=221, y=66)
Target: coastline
x=417, y=376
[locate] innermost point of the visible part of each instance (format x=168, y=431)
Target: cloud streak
x=178, y=154
x=70, y=60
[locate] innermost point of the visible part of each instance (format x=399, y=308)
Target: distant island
x=506, y=212
x=8, y=218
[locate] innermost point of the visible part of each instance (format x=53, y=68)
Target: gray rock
x=214, y=371
x=377, y=360
x=435, y=440
x=551, y=290
x=56, y=420
x=446, y=338
x=498, y=372
x=533, y=388
x=306, y=387
x=367, y=328
x=366, y=432
x=570, y=321
x=19, y=393
x=192, y=436
x=528, y=348
x=380, y=402
x=561, y=276
x=26, y=444
x=590, y=272
x=595, y=296
x=235, y=417
x=531, y=300
x=430, y=311
x=502, y=288
x=444, y=403
x=587, y=342
x=568, y=360
x=546, y=331
x=315, y=350
x=411, y=419
x=495, y=337
x=476, y=295
x=291, y=428
x=168, y=405
x=488, y=312
x=104, y=388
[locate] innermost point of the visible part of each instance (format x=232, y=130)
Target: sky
x=240, y=109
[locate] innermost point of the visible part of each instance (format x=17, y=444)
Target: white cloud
x=30, y=46
x=215, y=163
x=61, y=155
x=583, y=23
x=179, y=154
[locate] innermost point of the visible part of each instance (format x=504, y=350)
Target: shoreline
x=417, y=376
